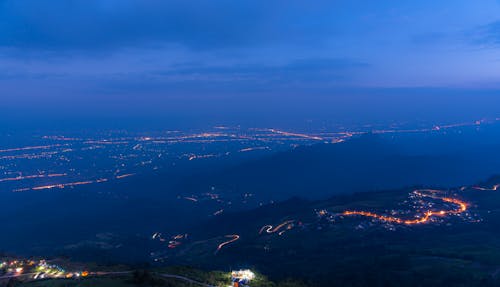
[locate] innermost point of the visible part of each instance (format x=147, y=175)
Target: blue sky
x=123, y=57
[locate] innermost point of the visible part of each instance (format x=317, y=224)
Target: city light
x=241, y=278
x=427, y=215
x=243, y=274
x=30, y=270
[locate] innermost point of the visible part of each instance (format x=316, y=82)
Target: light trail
x=68, y=184
x=46, y=154
x=270, y=229
x=18, y=178
x=30, y=148
x=295, y=135
x=218, y=212
x=234, y=237
x=254, y=148
x=434, y=128
x=63, y=185
x=124, y=175
x=107, y=142
x=427, y=215
x=61, y=138
x=494, y=188
x=192, y=157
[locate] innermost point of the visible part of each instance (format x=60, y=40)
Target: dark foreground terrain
x=319, y=242
x=406, y=237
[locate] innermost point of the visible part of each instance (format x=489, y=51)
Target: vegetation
x=153, y=278
x=359, y=251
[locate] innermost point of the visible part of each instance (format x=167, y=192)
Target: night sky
x=261, y=62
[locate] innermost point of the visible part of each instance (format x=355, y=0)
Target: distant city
x=59, y=161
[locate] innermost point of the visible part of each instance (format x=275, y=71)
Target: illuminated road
x=494, y=188
x=69, y=184
x=124, y=175
x=29, y=148
x=461, y=207
x=18, y=178
x=234, y=237
x=296, y=135
x=270, y=229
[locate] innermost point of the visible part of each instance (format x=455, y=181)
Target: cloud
x=300, y=66
x=244, y=44
x=308, y=73
x=101, y=24
x=485, y=35
x=110, y=80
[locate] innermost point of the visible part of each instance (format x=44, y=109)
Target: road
x=185, y=279
x=270, y=229
x=234, y=237
x=16, y=276
x=99, y=273
x=164, y=275
x=494, y=188
x=427, y=215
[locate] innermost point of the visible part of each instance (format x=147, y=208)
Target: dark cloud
x=311, y=74
x=97, y=24
x=82, y=52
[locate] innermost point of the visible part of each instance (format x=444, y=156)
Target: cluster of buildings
x=29, y=270
x=241, y=278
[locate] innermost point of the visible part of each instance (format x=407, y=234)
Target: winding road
x=494, y=188
x=234, y=237
x=270, y=229
x=461, y=207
